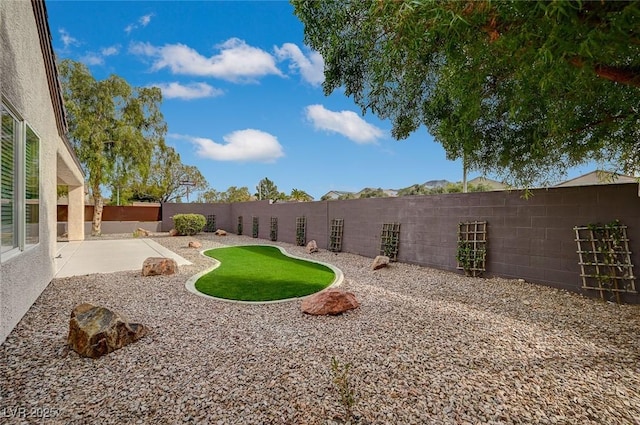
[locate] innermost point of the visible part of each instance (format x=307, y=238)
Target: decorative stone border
x=191, y=283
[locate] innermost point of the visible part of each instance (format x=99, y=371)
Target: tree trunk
x=97, y=214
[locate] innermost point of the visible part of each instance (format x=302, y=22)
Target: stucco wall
x=532, y=239
x=24, y=84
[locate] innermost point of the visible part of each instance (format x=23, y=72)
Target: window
x=20, y=184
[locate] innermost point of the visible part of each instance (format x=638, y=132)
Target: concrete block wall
x=532, y=239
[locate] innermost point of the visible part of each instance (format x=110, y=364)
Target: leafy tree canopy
x=113, y=127
x=526, y=89
x=267, y=189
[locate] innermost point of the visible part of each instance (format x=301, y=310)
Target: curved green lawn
x=262, y=273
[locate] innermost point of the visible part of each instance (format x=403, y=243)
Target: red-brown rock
x=95, y=331
x=220, y=232
x=195, y=244
x=329, y=302
x=173, y=232
x=154, y=266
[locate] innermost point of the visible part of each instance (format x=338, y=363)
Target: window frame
x=19, y=196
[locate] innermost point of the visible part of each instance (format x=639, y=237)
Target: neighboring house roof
x=334, y=194
x=492, y=184
x=55, y=91
x=598, y=177
x=432, y=184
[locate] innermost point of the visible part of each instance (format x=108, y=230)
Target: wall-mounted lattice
x=301, y=231
x=471, y=253
x=255, y=227
x=240, y=229
x=605, y=259
x=390, y=240
x=335, y=234
x=210, y=226
x=273, y=233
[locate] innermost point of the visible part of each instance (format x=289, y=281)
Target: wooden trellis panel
x=273, y=233
x=605, y=259
x=390, y=240
x=472, y=247
x=240, y=227
x=335, y=234
x=256, y=223
x=211, y=223
x=301, y=231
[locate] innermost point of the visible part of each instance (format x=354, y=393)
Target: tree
x=266, y=189
x=113, y=127
x=236, y=194
x=210, y=196
x=525, y=89
x=165, y=176
x=372, y=193
x=300, y=196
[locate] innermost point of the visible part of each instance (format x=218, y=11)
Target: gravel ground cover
x=425, y=347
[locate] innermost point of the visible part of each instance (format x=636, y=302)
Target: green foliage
x=162, y=180
x=372, y=193
x=189, y=224
x=266, y=189
x=300, y=196
x=113, y=127
x=240, y=226
x=471, y=260
x=340, y=374
x=527, y=89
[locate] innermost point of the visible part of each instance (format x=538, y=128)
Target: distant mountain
x=432, y=184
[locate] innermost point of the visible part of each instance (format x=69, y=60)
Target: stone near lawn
x=142, y=232
x=220, y=232
x=329, y=302
x=195, y=244
x=312, y=246
x=379, y=262
x=95, y=331
x=173, y=232
x=154, y=266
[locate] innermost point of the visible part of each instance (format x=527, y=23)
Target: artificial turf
x=262, y=273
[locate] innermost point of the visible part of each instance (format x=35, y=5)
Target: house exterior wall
x=532, y=239
x=23, y=82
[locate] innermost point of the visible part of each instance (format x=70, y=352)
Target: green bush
x=189, y=224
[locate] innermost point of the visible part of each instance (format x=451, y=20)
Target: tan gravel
x=426, y=347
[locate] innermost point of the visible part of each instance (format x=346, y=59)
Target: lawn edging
x=190, y=285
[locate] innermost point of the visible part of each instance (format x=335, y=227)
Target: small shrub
x=189, y=224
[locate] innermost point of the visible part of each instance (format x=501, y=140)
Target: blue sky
x=243, y=97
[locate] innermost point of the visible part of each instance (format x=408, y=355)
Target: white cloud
x=110, y=51
x=143, y=20
x=311, y=66
x=66, y=38
x=243, y=146
x=347, y=123
x=236, y=60
x=92, y=59
x=190, y=91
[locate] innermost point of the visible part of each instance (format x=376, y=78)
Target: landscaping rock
x=379, y=262
x=220, y=232
x=195, y=244
x=329, y=302
x=312, y=246
x=142, y=232
x=95, y=331
x=154, y=266
x=173, y=232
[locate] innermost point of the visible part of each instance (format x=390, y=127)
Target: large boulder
x=329, y=302
x=312, y=246
x=379, y=262
x=95, y=331
x=173, y=232
x=154, y=266
x=141, y=232
x=220, y=232
x=195, y=244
